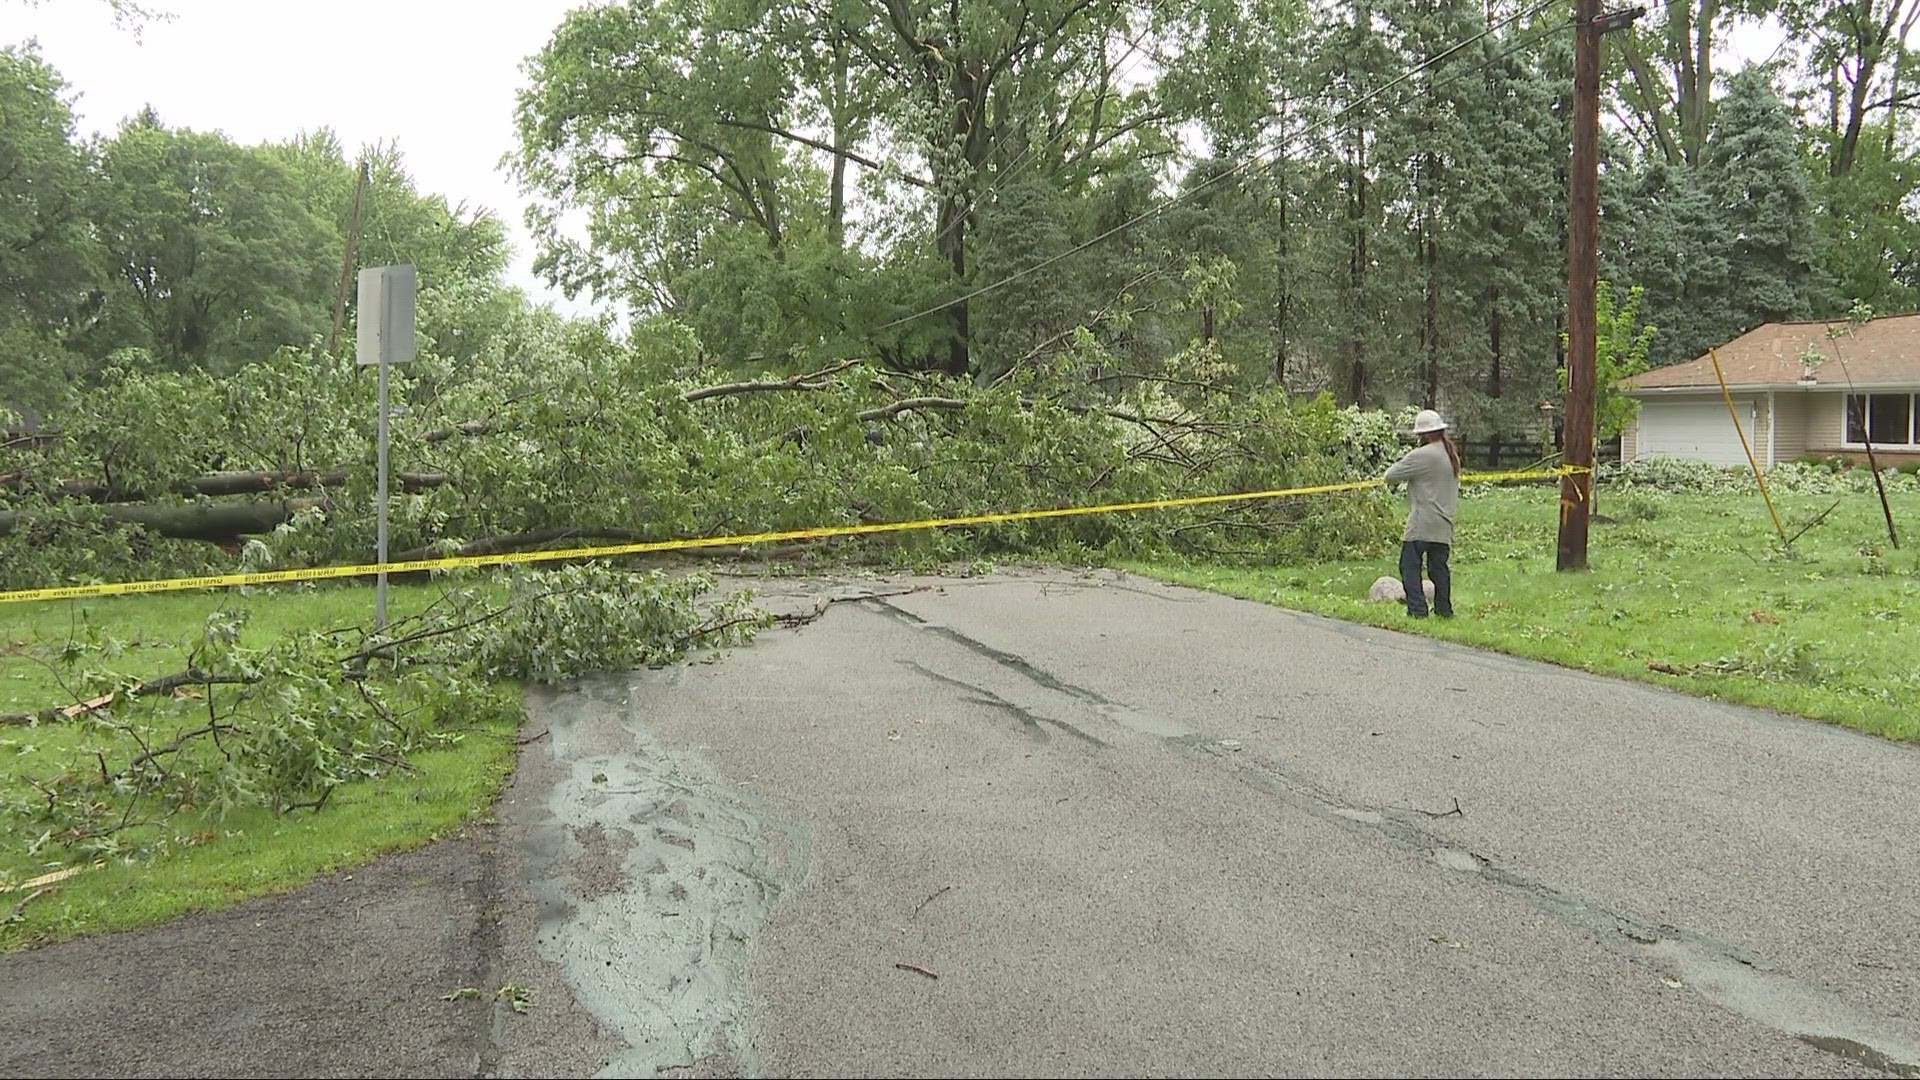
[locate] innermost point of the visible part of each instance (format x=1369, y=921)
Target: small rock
x=1389, y=590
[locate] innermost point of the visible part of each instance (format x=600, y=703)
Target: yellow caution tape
x=459, y=562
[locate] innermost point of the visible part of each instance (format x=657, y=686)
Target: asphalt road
x=1049, y=824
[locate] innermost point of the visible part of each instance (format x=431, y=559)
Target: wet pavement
x=1060, y=824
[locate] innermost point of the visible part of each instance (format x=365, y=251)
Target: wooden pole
x=1583, y=273
x=1758, y=475
x=346, y=266
x=1873, y=466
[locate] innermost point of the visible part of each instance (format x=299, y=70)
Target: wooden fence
x=1494, y=453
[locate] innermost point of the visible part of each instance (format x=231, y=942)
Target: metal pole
x=380, y=588
x=1583, y=272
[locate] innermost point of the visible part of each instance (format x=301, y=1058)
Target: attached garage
x=1792, y=393
x=1696, y=429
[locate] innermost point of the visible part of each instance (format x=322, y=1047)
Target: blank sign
x=387, y=296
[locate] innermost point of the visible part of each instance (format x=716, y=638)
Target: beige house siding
x=1801, y=422
x=1790, y=426
x=1825, y=424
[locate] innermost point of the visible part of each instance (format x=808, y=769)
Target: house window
x=1889, y=419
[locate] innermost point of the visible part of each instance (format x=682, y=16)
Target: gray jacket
x=1433, y=490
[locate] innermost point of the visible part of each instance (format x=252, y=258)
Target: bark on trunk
x=230, y=483
x=221, y=522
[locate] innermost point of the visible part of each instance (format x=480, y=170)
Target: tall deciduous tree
x=220, y=258
x=50, y=284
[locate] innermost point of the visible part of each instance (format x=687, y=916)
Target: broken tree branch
x=165, y=684
x=810, y=381
x=228, y=483
x=183, y=522
x=526, y=541
x=913, y=404
x=798, y=620
x=1817, y=519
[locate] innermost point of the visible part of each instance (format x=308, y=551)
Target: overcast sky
x=437, y=76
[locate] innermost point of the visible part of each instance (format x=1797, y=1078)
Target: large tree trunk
x=223, y=521
x=1495, y=389
x=837, y=194
x=1430, y=326
x=1356, y=268
x=1870, y=40
x=230, y=483
x=1283, y=292
x=953, y=246
x=1690, y=35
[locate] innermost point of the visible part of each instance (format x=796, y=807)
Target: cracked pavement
x=1048, y=823
x=1059, y=824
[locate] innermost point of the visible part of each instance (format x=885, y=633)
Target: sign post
x=386, y=319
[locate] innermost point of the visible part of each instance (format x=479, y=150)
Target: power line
x=1252, y=161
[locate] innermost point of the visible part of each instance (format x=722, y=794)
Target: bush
x=1800, y=477
x=1674, y=474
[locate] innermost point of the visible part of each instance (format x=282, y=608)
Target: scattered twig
x=533, y=738
x=20, y=909
x=1455, y=812
x=917, y=970
x=800, y=619
x=316, y=805
x=945, y=889
x=1817, y=519
x=152, y=756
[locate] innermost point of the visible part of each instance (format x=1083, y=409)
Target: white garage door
x=1695, y=430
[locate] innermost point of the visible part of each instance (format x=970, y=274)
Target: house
x=1797, y=392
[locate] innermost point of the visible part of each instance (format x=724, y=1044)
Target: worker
x=1432, y=475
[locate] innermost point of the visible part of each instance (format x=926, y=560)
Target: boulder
x=1389, y=590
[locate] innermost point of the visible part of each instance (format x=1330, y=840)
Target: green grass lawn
x=249, y=852
x=1697, y=583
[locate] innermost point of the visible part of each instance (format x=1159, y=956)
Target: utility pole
x=1583, y=274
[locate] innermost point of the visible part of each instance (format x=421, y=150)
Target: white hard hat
x=1428, y=420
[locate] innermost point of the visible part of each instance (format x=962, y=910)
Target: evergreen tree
x=1753, y=174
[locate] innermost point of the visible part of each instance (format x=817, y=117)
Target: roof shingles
x=1883, y=352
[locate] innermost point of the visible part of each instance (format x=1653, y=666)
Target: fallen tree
x=220, y=521
x=214, y=485
x=284, y=724
x=622, y=443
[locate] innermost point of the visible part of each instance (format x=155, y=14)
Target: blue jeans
x=1412, y=553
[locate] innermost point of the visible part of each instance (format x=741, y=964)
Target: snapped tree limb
x=181, y=522
x=230, y=483
x=165, y=684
